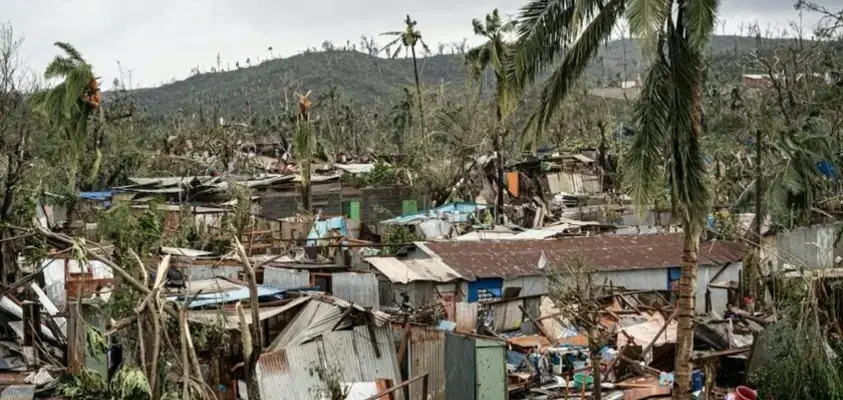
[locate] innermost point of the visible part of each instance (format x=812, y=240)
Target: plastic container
x=581, y=380
x=696, y=380
x=745, y=393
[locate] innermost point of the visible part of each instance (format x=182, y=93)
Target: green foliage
x=128, y=229
x=332, y=383
x=801, y=367
x=396, y=235
x=382, y=175
x=129, y=383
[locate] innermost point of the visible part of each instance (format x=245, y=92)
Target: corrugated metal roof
x=405, y=271
x=286, y=278
x=18, y=392
x=220, y=291
x=286, y=374
x=512, y=258
x=178, y=251
x=232, y=320
x=357, y=287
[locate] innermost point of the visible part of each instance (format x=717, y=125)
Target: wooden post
x=424, y=387
x=75, y=340
x=31, y=327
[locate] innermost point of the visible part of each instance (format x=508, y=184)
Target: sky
x=156, y=41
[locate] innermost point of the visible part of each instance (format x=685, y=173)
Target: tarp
x=323, y=230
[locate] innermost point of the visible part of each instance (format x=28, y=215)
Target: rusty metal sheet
x=508, y=258
x=427, y=356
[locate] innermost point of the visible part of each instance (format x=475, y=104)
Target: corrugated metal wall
x=806, y=247
x=199, y=272
x=638, y=279
x=358, y=288
x=530, y=285
x=460, y=381
x=285, y=278
x=427, y=356
x=466, y=316
x=285, y=374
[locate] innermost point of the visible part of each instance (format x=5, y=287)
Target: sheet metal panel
x=18, y=392
x=285, y=278
x=427, y=356
x=460, y=367
x=466, y=316
x=507, y=315
x=357, y=288
x=491, y=370
x=200, y=272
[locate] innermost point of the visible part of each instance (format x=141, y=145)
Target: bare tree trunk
x=305, y=185
x=685, y=329
x=499, y=214
x=418, y=89
x=753, y=267
x=253, y=354
x=595, y=369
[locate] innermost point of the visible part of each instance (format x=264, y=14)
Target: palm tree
x=407, y=40
x=494, y=53
x=69, y=106
x=304, y=146
x=668, y=111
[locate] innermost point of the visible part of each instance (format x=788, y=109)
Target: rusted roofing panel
x=506, y=259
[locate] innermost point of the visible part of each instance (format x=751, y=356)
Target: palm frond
x=646, y=20
x=645, y=158
x=702, y=16
x=690, y=188
x=71, y=52
x=542, y=30
x=60, y=67
x=576, y=61
x=393, y=33
x=478, y=27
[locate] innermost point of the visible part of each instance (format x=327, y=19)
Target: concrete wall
x=376, y=204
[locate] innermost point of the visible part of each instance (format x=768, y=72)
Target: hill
x=371, y=80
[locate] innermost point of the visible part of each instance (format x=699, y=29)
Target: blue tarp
x=828, y=170
x=207, y=299
x=321, y=229
x=99, y=196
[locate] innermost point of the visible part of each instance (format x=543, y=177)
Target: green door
x=408, y=207
x=491, y=370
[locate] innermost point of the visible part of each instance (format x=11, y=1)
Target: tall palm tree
x=668, y=112
x=495, y=53
x=408, y=39
x=69, y=106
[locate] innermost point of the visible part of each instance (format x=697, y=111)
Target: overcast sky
x=163, y=39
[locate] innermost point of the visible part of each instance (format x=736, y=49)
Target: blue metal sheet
x=491, y=285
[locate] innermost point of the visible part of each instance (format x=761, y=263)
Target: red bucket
x=745, y=393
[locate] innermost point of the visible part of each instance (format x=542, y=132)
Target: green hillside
x=367, y=79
